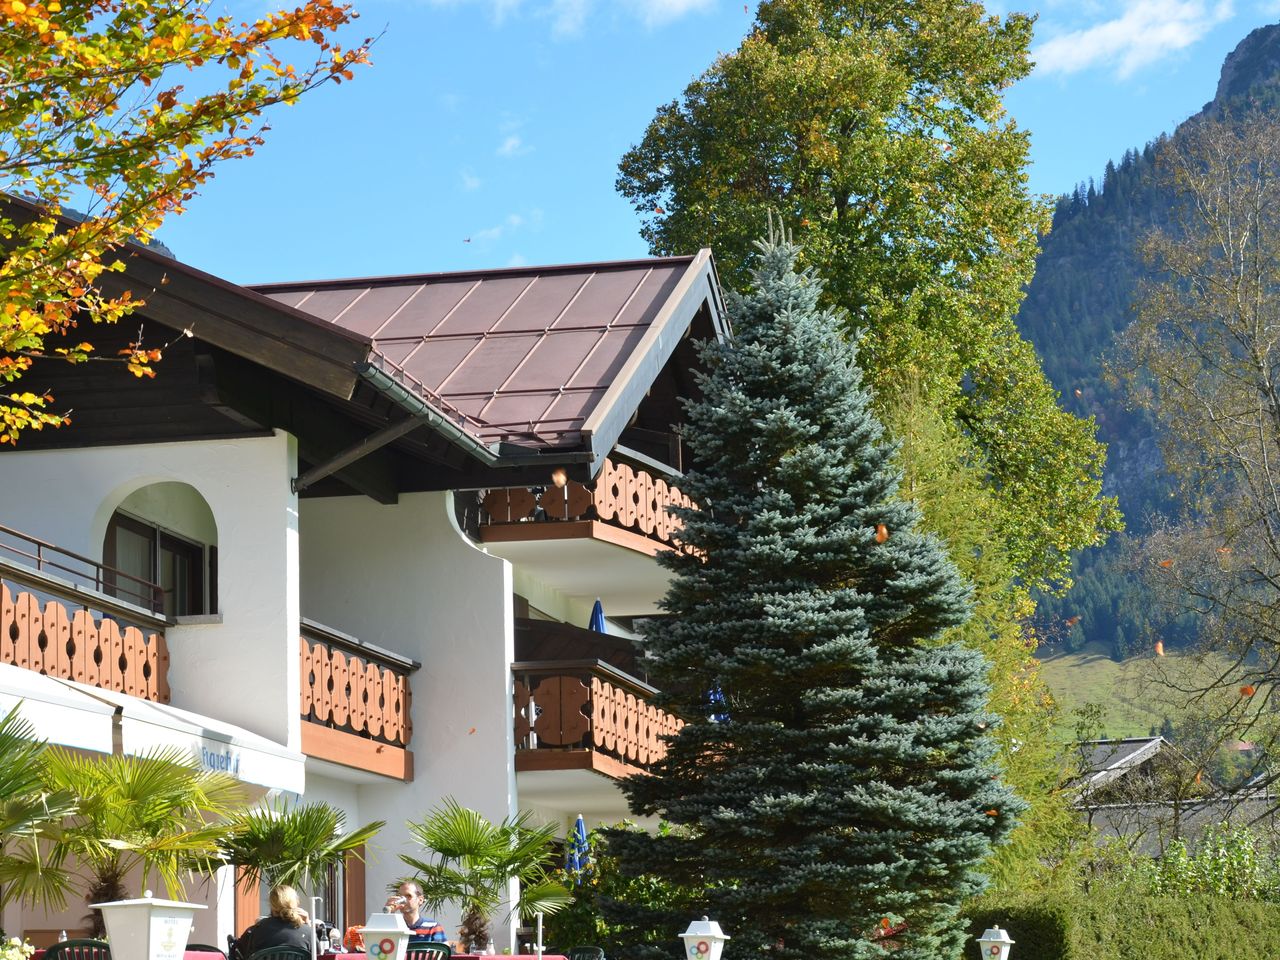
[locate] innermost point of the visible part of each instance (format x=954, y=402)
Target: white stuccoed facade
x=406, y=578
x=243, y=666
x=403, y=577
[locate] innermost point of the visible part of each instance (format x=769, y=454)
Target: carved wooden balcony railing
x=355, y=687
x=55, y=628
x=621, y=496
x=568, y=714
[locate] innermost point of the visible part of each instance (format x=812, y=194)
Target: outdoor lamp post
x=703, y=940
x=995, y=944
x=147, y=928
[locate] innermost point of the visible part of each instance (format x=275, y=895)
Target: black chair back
x=280, y=953
x=79, y=950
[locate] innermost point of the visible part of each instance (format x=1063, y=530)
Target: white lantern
x=385, y=937
x=995, y=944
x=147, y=928
x=704, y=940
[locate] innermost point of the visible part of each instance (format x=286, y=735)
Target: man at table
x=408, y=900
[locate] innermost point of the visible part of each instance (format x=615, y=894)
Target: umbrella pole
x=315, y=911
x=537, y=946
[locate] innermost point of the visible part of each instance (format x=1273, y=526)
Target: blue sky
x=487, y=132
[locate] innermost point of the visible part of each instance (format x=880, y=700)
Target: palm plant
x=161, y=812
x=292, y=843
x=28, y=812
x=472, y=862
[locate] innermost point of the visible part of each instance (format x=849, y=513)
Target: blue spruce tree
x=835, y=779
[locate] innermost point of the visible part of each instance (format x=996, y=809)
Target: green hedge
x=1132, y=927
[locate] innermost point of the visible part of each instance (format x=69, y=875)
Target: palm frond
x=546, y=897
x=292, y=843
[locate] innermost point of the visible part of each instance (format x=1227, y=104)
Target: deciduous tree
x=877, y=129
x=96, y=115
x=1203, y=355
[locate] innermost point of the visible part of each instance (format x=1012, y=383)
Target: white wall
x=404, y=577
x=177, y=507
x=550, y=600
x=243, y=669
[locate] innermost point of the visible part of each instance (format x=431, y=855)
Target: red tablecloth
x=456, y=956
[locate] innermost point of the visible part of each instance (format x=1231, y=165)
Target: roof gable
x=528, y=360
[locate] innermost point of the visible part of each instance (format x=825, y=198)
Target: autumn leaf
x=93, y=106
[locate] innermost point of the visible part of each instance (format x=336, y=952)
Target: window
x=185, y=570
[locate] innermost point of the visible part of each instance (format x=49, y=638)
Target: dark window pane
x=130, y=549
x=181, y=576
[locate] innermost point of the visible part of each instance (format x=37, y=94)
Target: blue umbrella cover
x=597, y=618
x=578, y=860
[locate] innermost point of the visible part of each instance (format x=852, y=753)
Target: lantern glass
x=385, y=937
x=995, y=944
x=704, y=940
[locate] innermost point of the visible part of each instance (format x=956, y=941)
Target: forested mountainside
x=1088, y=276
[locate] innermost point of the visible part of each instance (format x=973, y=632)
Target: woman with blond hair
x=285, y=927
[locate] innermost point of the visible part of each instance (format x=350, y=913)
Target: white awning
x=142, y=726
x=58, y=713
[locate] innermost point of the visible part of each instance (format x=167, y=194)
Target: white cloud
x=1144, y=32
x=570, y=17
x=517, y=260
x=656, y=12
x=470, y=181
x=513, y=146
x=511, y=224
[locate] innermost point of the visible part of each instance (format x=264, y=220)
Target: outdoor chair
x=428, y=951
x=203, y=948
x=280, y=953
x=80, y=950
x=585, y=953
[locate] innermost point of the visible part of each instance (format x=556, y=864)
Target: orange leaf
x=882, y=533
x=1248, y=690
x=1159, y=648
x=1166, y=563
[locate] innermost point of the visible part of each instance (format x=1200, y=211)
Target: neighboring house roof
x=533, y=357
x=1150, y=826
x=1104, y=761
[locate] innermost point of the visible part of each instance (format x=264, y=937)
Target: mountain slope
x=1088, y=275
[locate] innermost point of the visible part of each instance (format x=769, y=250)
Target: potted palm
x=292, y=843
x=161, y=813
x=470, y=862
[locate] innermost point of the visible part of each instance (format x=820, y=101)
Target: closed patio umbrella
x=578, y=859
x=597, y=620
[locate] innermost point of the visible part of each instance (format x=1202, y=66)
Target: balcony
x=590, y=541
x=57, y=619
x=586, y=715
x=355, y=703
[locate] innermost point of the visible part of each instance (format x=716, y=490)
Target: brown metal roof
x=524, y=355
